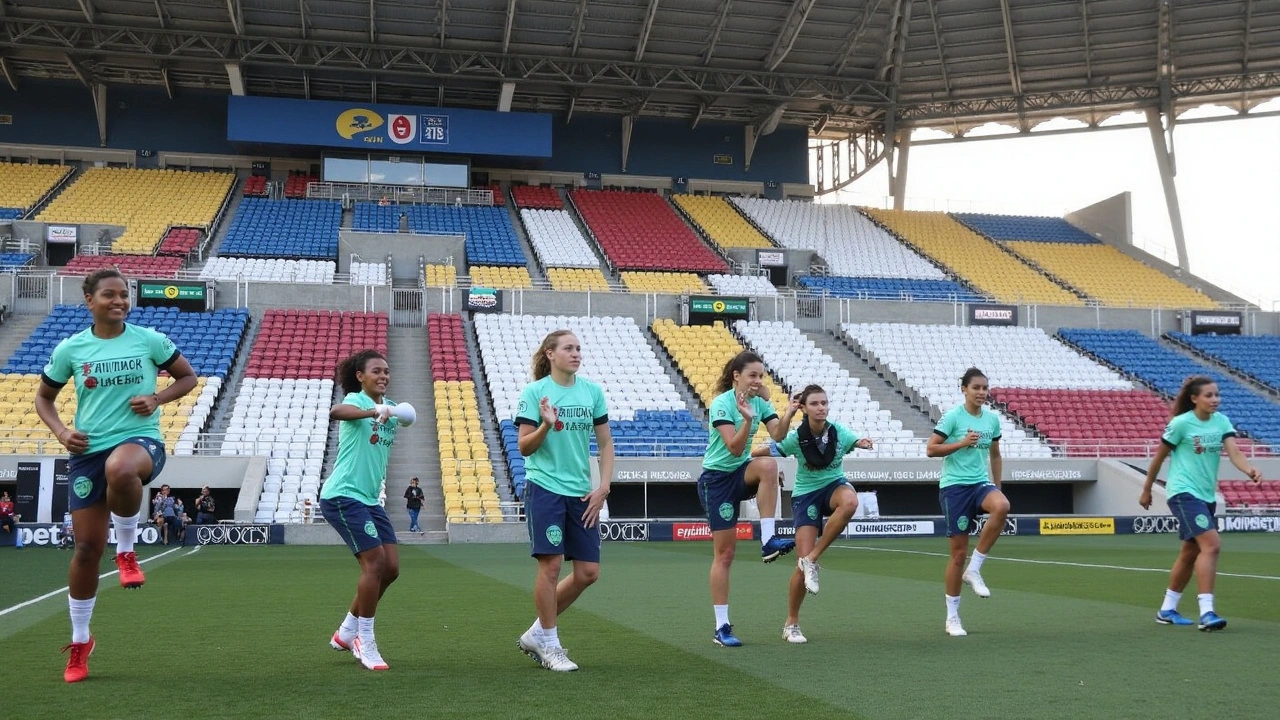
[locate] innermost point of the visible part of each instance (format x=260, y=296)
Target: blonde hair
x=542, y=363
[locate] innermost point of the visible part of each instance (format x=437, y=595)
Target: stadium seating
x=284, y=229
x=1246, y=495
x=723, y=225
x=179, y=241
x=742, y=284
x=372, y=217
x=640, y=231
x=11, y=213
x=466, y=473
x=671, y=283
x=490, y=237
x=302, y=344
x=974, y=258
x=556, y=239
x=1257, y=356
x=577, y=279
x=440, y=275
x=255, y=186
x=22, y=186
x=796, y=361
x=146, y=202
x=1109, y=276
x=12, y=261
x=499, y=197
x=1026, y=227
x=541, y=197
x=500, y=277
x=1164, y=370
x=295, y=186
x=647, y=415
x=870, y=288
x=269, y=270
x=1108, y=423
x=368, y=273
x=150, y=266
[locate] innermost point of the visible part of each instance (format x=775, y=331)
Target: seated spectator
x=180, y=521
x=8, y=522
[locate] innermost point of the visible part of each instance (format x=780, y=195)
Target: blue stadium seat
x=208, y=341
x=1165, y=369
x=1257, y=356
x=490, y=237
x=284, y=229
x=658, y=432
x=11, y=213
x=1024, y=227
x=13, y=261
x=371, y=217
x=890, y=288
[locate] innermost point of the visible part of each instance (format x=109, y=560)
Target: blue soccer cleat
x=1172, y=617
x=1211, y=621
x=775, y=548
x=724, y=636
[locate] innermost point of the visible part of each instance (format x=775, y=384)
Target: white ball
x=405, y=413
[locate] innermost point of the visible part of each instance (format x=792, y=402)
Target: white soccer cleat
x=557, y=659
x=531, y=646
x=367, y=654
x=974, y=580
x=337, y=642
x=954, y=628
x=809, y=569
x=792, y=634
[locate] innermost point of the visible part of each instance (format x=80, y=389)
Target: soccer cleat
x=1211, y=621
x=1172, y=617
x=78, y=663
x=531, y=646
x=724, y=637
x=367, y=654
x=954, y=628
x=974, y=580
x=557, y=659
x=809, y=569
x=775, y=548
x=792, y=634
x=337, y=643
x=130, y=573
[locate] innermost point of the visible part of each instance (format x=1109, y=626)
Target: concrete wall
x=407, y=251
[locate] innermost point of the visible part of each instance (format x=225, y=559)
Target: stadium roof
x=833, y=65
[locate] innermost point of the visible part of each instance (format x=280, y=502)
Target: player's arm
x=184, y=381
x=347, y=411
x=939, y=447
x=761, y=451
x=1238, y=459
x=997, y=463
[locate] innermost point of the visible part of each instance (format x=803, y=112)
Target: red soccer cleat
x=130, y=574
x=78, y=663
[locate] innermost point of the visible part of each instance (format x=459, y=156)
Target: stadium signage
x=771, y=258
x=702, y=531
x=624, y=531
x=486, y=300
x=1010, y=526
x=1078, y=526
x=172, y=291
x=993, y=315
x=871, y=528
x=706, y=309
x=1248, y=523
x=230, y=534
x=50, y=534
x=61, y=234
x=1217, y=321
x=1148, y=524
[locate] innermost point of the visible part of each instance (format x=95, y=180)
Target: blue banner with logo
x=387, y=128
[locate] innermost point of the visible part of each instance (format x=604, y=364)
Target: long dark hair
x=347, y=369
x=969, y=375
x=542, y=363
x=737, y=364
x=90, y=285
x=808, y=390
x=1190, y=390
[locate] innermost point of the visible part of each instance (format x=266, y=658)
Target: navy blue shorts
x=811, y=507
x=720, y=493
x=962, y=504
x=555, y=525
x=87, y=473
x=1195, y=516
x=362, y=527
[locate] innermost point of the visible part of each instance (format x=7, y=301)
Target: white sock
x=126, y=532
x=81, y=611
x=350, y=626
x=953, y=607
x=766, y=529
x=1171, y=599
x=1206, y=602
x=536, y=628
x=975, y=562
x=551, y=637
x=722, y=615
x=365, y=631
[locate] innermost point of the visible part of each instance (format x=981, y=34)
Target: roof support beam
x=302, y=17
x=81, y=74
x=373, y=23
x=1015, y=75
x=645, y=29
x=851, y=40
x=580, y=21
x=306, y=84
x=506, y=30
x=162, y=14
x=236, y=12
x=1248, y=32
x=725, y=7
x=937, y=39
x=444, y=17
x=1168, y=170
x=628, y=122
x=235, y=78
x=164, y=78
x=890, y=68
x=8, y=75
x=1088, y=51
x=99, y=91
x=787, y=35
x=86, y=7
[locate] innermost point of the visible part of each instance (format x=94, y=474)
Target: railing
x=399, y=194
x=915, y=448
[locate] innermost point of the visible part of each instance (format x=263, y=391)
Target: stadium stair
x=416, y=452
x=536, y=271
x=890, y=397
x=1253, y=359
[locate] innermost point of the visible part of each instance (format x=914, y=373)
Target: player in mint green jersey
x=558, y=413
x=349, y=497
x=116, y=445
x=819, y=447
x=968, y=438
x=730, y=475
x=1195, y=437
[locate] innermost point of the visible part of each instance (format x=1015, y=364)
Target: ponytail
x=542, y=363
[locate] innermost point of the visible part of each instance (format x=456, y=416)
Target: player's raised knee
x=587, y=575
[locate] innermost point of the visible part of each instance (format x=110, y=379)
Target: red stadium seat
x=641, y=231
x=131, y=265
x=536, y=197
x=1089, y=422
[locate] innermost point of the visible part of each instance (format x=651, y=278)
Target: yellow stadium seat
x=719, y=221
x=440, y=275
x=22, y=186
x=974, y=258
x=663, y=282
x=577, y=279
x=1109, y=276
x=500, y=277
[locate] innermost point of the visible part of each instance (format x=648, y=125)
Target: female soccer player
x=966, y=437
x=349, y=498
x=1195, y=437
x=115, y=443
x=730, y=475
x=558, y=412
x=820, y=491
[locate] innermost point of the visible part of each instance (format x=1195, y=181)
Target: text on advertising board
x=1077, y=526
x=624, y=531
x=702, y=531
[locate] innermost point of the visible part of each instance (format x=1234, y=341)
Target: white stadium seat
x=557, y=240
x=368, y=273
x=269, y=270
x=742, y=285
